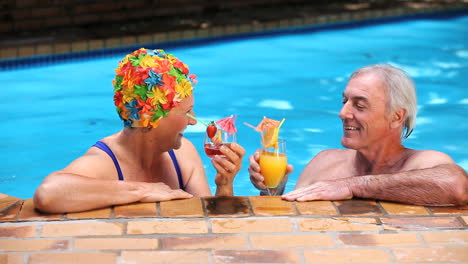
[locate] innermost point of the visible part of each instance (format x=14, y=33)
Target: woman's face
x=172, y=127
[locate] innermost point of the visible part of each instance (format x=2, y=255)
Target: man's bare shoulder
x=328, y=165
x=422, y=159
x=334, y=155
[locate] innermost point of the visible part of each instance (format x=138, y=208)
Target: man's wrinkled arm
x=445, y=184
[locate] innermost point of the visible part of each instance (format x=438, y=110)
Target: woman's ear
x=398, y=118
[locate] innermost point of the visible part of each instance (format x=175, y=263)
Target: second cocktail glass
x=273, y=162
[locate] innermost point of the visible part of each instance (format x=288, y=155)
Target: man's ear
x=398, y=118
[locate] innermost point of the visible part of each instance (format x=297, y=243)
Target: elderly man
x=379, y=109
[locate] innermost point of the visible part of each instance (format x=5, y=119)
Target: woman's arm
x=90, y=182
x=66, y=192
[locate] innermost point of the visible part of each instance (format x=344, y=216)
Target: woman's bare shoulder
x=95, y=163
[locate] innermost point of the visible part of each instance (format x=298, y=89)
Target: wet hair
x=400, y=89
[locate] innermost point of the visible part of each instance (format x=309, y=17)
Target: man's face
x=364, y=115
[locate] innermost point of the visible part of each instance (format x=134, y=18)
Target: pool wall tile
x=29, y=213
x=192, y=207
x=17, y=231
x=136, y=210
x=227, y=206
x=317, y=208
x=403, y=209
x=11, y=212
x=461, y=209
x=7, y=201
x=103, y=213
x=271, y=205
x=358, y=207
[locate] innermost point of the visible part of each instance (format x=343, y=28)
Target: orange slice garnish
x=270, y=138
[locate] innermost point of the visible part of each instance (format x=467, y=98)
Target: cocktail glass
x=213, y=144
x=273, y=162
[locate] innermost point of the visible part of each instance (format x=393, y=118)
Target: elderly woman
x=149, y=160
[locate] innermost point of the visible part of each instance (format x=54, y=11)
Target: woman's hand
x=227, y=167
x=256, y=176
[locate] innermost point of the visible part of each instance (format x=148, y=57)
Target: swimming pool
x=55, y=113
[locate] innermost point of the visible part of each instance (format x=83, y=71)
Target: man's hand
x=227, y=167
x=322, y=190
x=157, y=192
x=255, y=174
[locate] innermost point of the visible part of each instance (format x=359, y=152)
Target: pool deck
x=22, y=49
x=254, y=229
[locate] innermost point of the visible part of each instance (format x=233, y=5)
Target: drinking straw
x=282, y=121
x=279, y=126
x=191, y=116
x=249, y=125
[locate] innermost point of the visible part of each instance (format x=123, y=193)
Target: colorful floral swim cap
x=148, y=84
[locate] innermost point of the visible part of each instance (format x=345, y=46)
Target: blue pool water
x=53, y=114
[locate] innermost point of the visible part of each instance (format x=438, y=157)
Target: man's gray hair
x=401, y=92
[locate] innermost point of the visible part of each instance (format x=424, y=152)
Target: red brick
x=98, y=213
x=432, y=254
x=11, y=213
x=266, y=225
x=358, y=207
x=420, y=223
x=205, y=242
x=11, y=258
x=366, y=240
x=17, y=231
x=167, y=227
x=182, y=208
x=72, y=258
x=7, y=201
x=227, y=206
x=173, y=257
x=136, y=210
x=28, y=212
x=347, y=256
x=33, y=245
x=271, y=205
x=338, y=224
x=82, y=229
x=462, y=209
x=446, y=238
x=256, y=256
x=403, y=209
x=291, y=241
x=115, y=243
x=316, y=208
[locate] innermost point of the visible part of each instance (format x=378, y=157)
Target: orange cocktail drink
x=273, y=167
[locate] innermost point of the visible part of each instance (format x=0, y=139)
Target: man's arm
x=445, y=184
x=442, y=184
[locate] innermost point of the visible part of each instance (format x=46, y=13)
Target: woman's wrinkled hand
x=227, y=167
